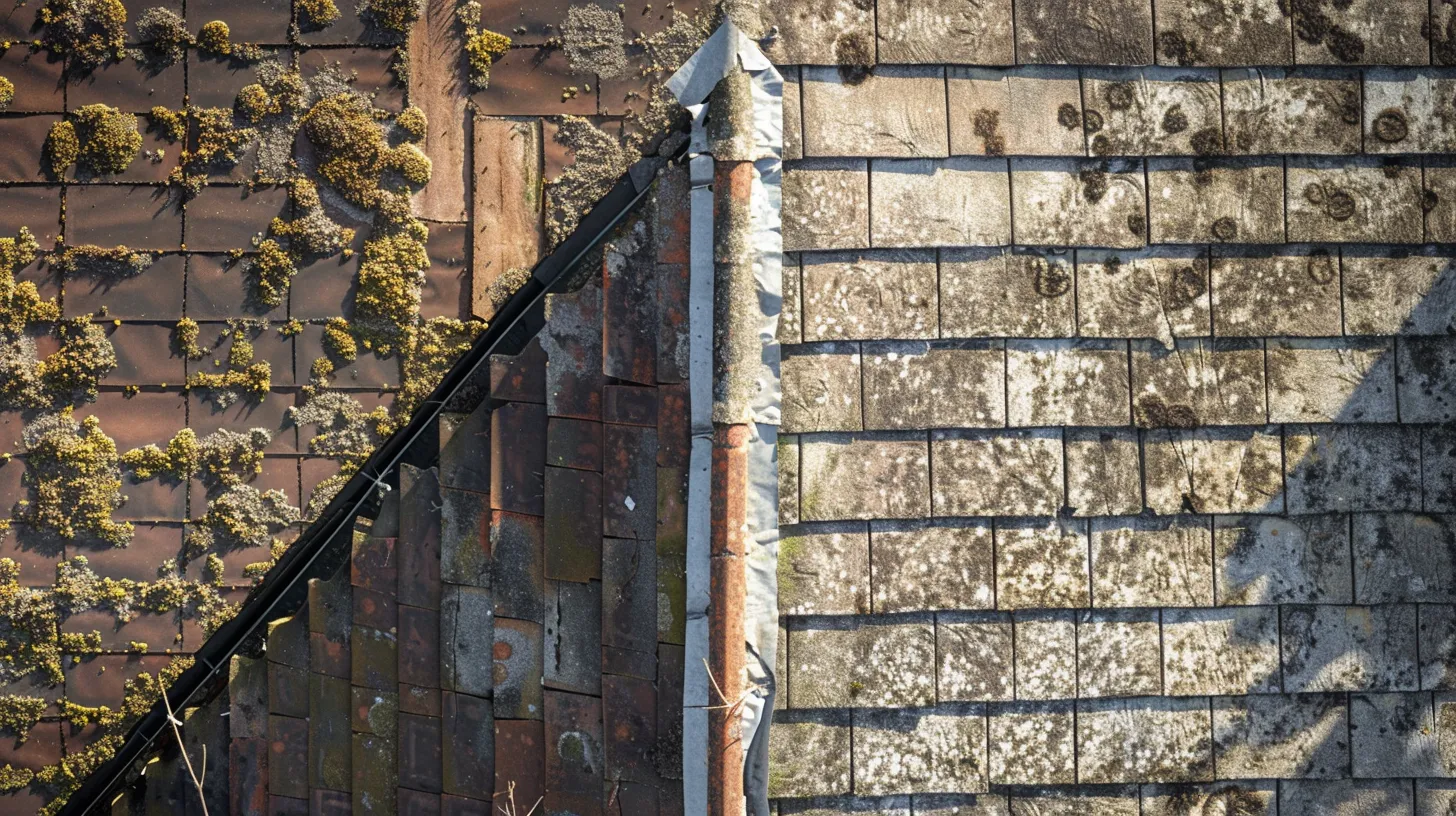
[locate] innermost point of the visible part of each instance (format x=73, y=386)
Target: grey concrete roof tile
x=1144, y=740
x=1352, y=468
x=920, y=752
x=1196, y=33
x=1288, y=290
x=1362, y=32
x=1143, y=562
x=1275, y=560
x=1119, y=654
x=990, y=473
x=1221, y=651
x=1196, y=201
x=1042, y=565
x=821, y=385
x=1346, y=797
x=1303, y=736
x=894, y=110
x=1255, y=798
x=825, y=570
x=1356, y=648
x=973, y=657
x=1006, y=293
x=1083, y=800
x=962, y=201
x=945, y=31
x=1331, y=380
x=1153, y=111
x=1389, y=291
x=1217, y=470
x=864, y=477
x=932, y=565
x=1356, y=201
x=1071, y=202
x=1032, y=744
x=810, y=754
x=1438, y=468
x=934, y=385
x=1046, y=655
x=1404, y=558
x=1276, y=110
x=1160, y=293
x=1198, y=382
x=1395, y=735
x=1067, y=382
x=871, y=295
x=1084, y=32
x=1104, y=472
x=826, y=205
x=1436, y=635
x=1029, y=111
x=1427, y=383
x=1408, y=110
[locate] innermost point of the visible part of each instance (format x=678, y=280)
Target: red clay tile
x=287, y=690
x=629, y=482
x=36, y=556
x=375, y=609
x=630, y=405
x=421, y=700
x=24, y=139
x=674, y=426
x=416, y=803
x=149, y=417
x=135, y=216
x=419, y=538
x=287, y=748
x=367, y=68
x=38, y=208
x=671, y=228
x=518, y=447
x=419, y=753
x=517, y=668
x=668, y=751
x=629, y=316
x=144, y=355
x=532, y=82
x=330, y=657
x=158, y=630
x=220, y=219
x=518, y=545
x=574, y=443
x=127, y=85
x=101, y=679
x=520, y=377
x=218, y=288
x=520, y=757
x=214, y=83
x=323, y=289
x=629, y=594
x=446, y=292
x=465, y=450
x=419, y=646
x=573, y=524
x=256, y=21
x=37, y=76
x=368, y=370
x=247, y=775
x=330, y=803
x=467, y=747
x=573, y=747
x=36, y=748
x=373, y=564
x=154, y=294
x=629, y=712
x=287, y=806
x=270, y=413
x=152, y=500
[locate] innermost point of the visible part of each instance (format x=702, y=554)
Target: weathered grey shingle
x=1067, y=382
x=1006, y=293
x=1084, y=32
x=945, y=31
x=1032, y=744
x=1154, y=739
x=1278, y=110
x=1355, y=648
x=870, y=295
x=1354, y=200
x=1031, y=111
x=1088, y=202
x=1331, y=381
x=1153, y=111
x=963, y=201
x=1195, y=201
x=892, y=111
x=1191, y=32
x=1159, y=293
x=1119, y=654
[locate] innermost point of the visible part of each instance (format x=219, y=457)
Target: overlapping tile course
x=1117, y=389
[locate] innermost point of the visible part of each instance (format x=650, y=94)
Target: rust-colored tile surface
x=134, y=216
x=127, y=85
x=24, y=138
x=37, y=76
x=534, y=81
x=153, y=294
x=222, y=218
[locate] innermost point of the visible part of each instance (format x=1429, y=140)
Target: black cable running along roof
x=309, y=555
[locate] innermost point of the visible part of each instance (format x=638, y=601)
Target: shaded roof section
x=515, y=612
x=1117, y=475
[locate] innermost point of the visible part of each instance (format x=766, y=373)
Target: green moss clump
x=62, y=148
x=394, y=16
x=102, y=263
x=316, y=14
x=184, y=339
x=270, y=271
x=7, y=93
x=482, y=49
x=181, y=459
x=215, y=38
x=20, y=302
x=390, y=276
x=90, y=32
x=412, y=122
x=107, y=140
x=75, y=478
x=219, y=146
x=13, y=779
x=171, y=124
x=411, y=163
x=242, y=378
x=164, y=38
x=254, y=103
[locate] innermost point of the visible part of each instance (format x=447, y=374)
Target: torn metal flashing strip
x=735, y=285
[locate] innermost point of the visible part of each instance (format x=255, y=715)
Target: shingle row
x=1187, y=561
x=1098, y=472
x=1120, y=203
x=906, y=111
x=913, y=385
x=1110, y=32
x=968, y=748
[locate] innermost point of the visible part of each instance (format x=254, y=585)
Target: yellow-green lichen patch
x=90, y=32
x=219, y=146
x=338, y=342
x=344, y=130
x=20, y=302
x=7, y=93
x=412, y=123
x=164, y=38
x=13, y=779
x=184, y=339
x=428, y=349
x=215, y=38
x=242, y=378
x=19, y=714
x=100, y=263
x=411, y=164
x=172, y=125
x=75, y=480
x=316, y=14
x=241, y=515
x=73, y=371
x=482, y=47
x=390, y=275
x=269, y=273
x=101, y=140
x=390, y=16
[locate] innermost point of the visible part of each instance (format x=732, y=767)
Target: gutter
x=282, y=586
x=735, y=295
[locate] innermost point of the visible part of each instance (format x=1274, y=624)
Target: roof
x=1118, y=386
